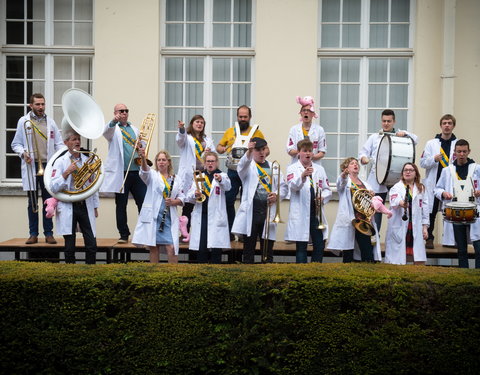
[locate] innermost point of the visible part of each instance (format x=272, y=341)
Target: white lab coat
x=218, y=234
x=445, y=183
x=316, y=134
x=342, y=236
x=428, y=162
x=19, y=145
x=114, y=163
x=370, y=149
x=64, y=212
x=395, y=247
x=188, y=159
x=298, y=228
x=145, y=233
x=247, y=172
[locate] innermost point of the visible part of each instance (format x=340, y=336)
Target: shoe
x=50, y=240
x=232, y=237
x=429, y=244
x=122, y=240
x=31, y=240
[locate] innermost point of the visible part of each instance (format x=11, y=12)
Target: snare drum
x=460, y=212
x=234, y=157
x=393, y=152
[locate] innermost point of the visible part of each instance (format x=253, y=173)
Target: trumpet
x=319, y=208
x=199, y=179
x=275, y=170
x=29, y=135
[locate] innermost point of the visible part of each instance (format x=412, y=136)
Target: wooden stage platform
x=110, y=251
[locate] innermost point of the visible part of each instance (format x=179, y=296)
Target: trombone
x=275, y=170
x=33, y=153
x=319, y=208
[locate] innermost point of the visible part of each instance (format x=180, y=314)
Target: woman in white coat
x=158, y=224
x=344, y=236
x=209, y=233
x=192, y=142
x=408, y=226
x=308, y=185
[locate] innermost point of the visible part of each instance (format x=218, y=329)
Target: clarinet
x=405, y=212
x=164, y=214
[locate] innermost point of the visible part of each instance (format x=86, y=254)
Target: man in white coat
x=309, y=189
x=35, y=128
x=438, y=154
x=369, y=153
x=459, y=182
x=209, y=233
x=258, y=192
x=69, y=214
x=121, y=136
x=306, y=129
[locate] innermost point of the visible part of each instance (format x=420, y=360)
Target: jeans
x=250, y=242
x=317, y=241
x=80, y=217
x=461, y=233
x=33, y=216
x=134, y=185
x=231, y=196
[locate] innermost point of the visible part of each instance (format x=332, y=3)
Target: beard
x=244, y=125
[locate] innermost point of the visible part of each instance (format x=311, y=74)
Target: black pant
x=258, y=221
x=433, y=216
x=204, y=254
x=80, y=217
x=134, y=185
x=378, y=216
x=366, y=249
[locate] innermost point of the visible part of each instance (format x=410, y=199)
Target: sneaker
x=50, y=240
x=31, y=240
x=429, y=244
x=123, y=240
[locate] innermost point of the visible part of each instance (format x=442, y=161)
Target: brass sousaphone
x=83, y=115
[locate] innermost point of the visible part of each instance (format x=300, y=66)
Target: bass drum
x=393, y=152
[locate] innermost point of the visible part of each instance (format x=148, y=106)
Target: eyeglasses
x=409, y=170
x=123, y=110
x=210, y=161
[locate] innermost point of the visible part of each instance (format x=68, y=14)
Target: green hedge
x=238, y=319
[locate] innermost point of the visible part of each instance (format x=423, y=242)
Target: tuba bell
x=83, y=115
x=362, y=202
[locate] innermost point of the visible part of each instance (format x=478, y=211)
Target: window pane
x=14, y=167
x=194, y=69
x=350, y=70
x=330, y=36
x=85, y=86
x=15, y=9
x=194, y=94
x=221, y=69
x=378, y=36
x=13, y=114
x=329, y=119
x=174, y=10
x=221, y=35
x=377, y=70
x=241, y=94
x=332, y=142
x=398, y=96
x=15, y=92
x=171, y=143
x=15, y=66
x=351, y=36
x=329, y=70
x=195, y=10
x=377, y=96
x=84, y=10
x=37, y=10
x=351, y=10
x=174, y=35
x=221, y=94
x=62, y=67
x=398, y=70
x=63, y=33
x=242, y=10
x=348, y=145
x=330, y=11
x=400, y=11
x=350, y=95
x=401, y=119
x=173, y=93
x=349, y=121
x=222, y=11
x=58, y=89
x=399, y=36
x=83, y=68
x=374, y=120
x=221, y=119
x=241, y=69
x=195, y=35
x=331, y=168
x=329, y=96
x=174, y=69
x=379, y=10
x=63, y=10
x=83, y=34
x=172, y=115
x=38, y=32
x=242, y=35
x=15, y=33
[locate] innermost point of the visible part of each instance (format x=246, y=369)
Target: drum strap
x=242, y=140
x=462, y=189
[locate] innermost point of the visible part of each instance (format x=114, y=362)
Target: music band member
x=209, y=233
x=306, y=129
x=234, y=142
x=345, y=237
x=459, y=182
x=309, y=189
x=36, y=129
x=369, y=153
x=122, y=136
x=192, y=142
x=408, y=226
x=70, y=214
x=158, y=224
x=438, y=154
x=258, y=192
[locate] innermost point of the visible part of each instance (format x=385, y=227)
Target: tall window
x=48, y=49
x=365, y=59
x=207, y=63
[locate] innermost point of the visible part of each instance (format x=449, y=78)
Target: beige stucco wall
x=127, y=65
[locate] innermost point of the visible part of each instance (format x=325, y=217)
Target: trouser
x=461, y=233
x=317, y=242
x=433, y=217
x=134, y=185
x=378, y=216
x=258, y=222
x=80, y=217
x=33, y=216
x=364, y=242
x=204, y=254
x=231, y=195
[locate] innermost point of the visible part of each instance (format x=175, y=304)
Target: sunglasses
x=123, y=110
